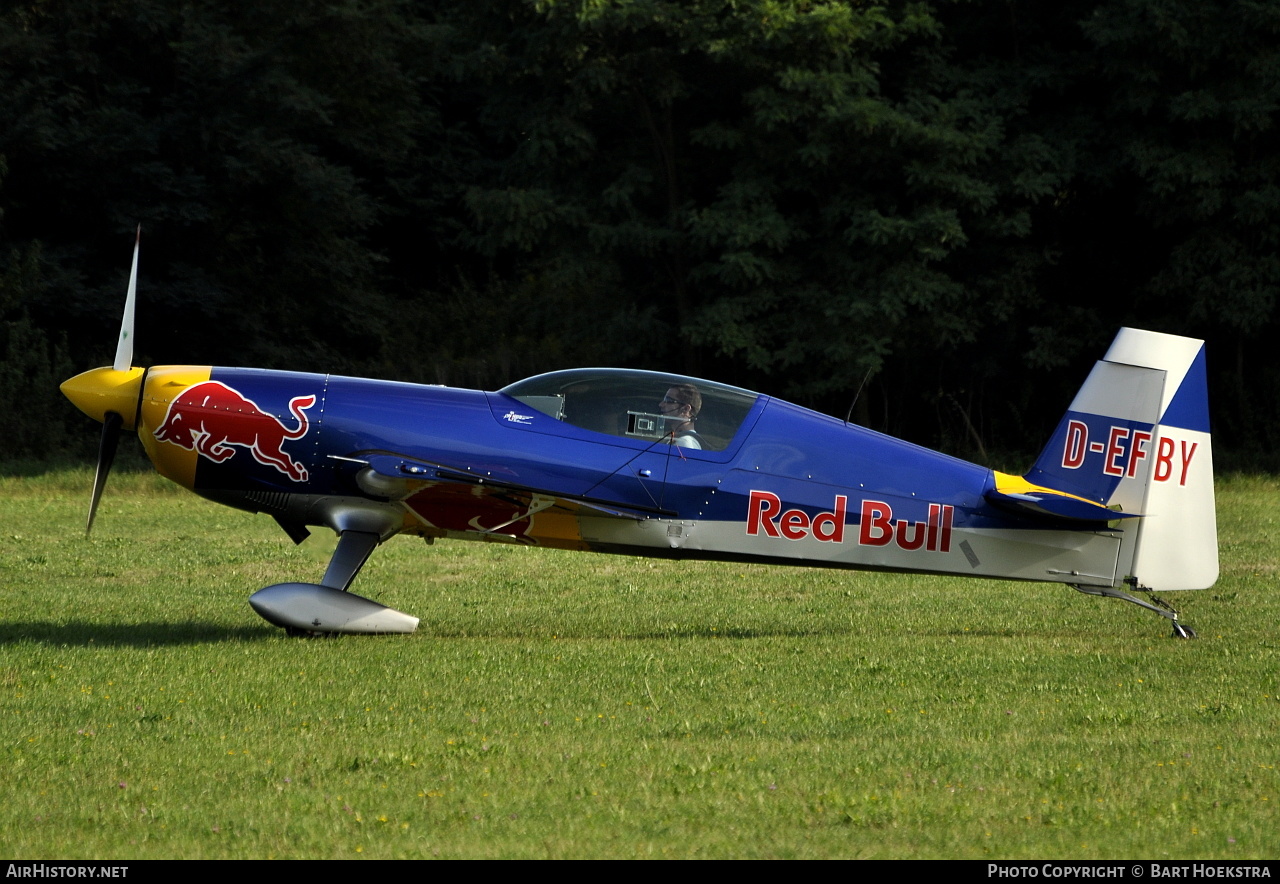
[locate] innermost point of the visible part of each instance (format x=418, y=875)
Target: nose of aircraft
x=100, y=391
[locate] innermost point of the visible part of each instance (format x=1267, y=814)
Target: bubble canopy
x=625, y=402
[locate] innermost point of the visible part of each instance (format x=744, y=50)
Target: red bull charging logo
x=213, y=419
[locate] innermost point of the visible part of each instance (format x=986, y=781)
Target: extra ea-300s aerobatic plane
x=653, y=464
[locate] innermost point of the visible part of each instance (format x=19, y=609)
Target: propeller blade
x=124, y=348
x=106, y=456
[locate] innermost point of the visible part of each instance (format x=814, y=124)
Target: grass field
x=563, y=705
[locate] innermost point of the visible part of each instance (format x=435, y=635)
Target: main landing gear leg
x=1164, y=609
x=354, y=549
x=327, y=608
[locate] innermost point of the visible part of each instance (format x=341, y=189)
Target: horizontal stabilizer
x=1047, y=504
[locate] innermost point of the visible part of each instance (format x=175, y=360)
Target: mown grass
x=564, y=705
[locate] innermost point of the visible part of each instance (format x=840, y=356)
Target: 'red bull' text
x=876, y=527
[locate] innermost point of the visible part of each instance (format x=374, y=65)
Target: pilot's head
x=682, y=400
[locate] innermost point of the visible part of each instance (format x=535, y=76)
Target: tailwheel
x=1158, y=605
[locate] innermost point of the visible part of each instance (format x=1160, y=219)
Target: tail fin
x=1137, y=437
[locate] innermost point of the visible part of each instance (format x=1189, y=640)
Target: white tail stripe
x=1149, y=349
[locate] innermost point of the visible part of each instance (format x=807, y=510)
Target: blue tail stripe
x=1089, y=455
x=1189, y=409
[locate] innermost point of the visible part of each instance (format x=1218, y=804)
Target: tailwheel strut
x=1157, y=604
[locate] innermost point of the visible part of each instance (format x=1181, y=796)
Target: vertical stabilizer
x=1136, y=438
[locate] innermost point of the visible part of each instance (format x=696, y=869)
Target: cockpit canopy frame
x=621, y=402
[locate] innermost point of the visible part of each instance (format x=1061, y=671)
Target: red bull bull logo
x=471, y=510
x=214, y=420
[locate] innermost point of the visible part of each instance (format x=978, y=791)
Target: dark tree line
x=958, y=201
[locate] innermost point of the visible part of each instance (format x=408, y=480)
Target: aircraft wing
x=398, y=477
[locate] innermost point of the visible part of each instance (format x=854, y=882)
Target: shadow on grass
x=571, y=634
x=152, y=635
x=130, y=635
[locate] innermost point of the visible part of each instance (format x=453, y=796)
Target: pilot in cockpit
x=682, y=401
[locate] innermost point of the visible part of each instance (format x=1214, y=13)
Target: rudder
x=1137, y=438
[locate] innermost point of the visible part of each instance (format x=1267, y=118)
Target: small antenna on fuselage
x=865, y=378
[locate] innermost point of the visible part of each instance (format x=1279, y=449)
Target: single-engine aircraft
x=1120, y=500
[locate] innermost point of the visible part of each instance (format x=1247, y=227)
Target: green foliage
x=1196, y=110
x=33, y=420
x=258, y=146
x=960, y=201
x=483, y=337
